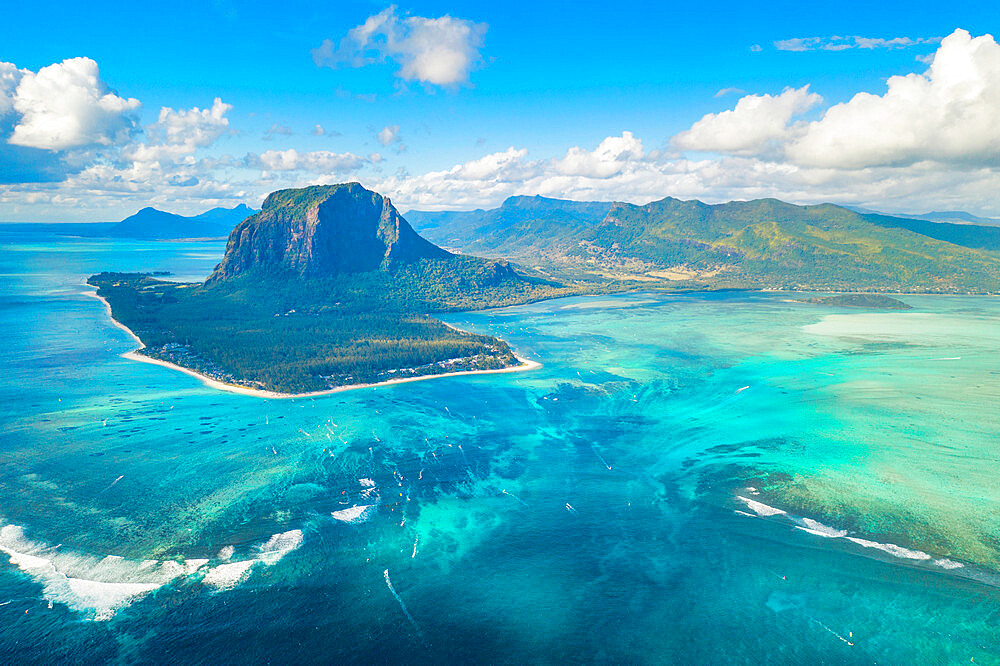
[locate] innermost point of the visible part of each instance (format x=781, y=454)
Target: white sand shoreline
x=261, y=393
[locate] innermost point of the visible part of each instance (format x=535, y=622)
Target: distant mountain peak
x=154, y=224
x=321, y=231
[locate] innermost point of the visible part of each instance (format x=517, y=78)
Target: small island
x=870, y=301
x=325, y=288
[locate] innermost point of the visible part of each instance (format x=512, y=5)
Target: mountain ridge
x=153, y=224
x=761, y=243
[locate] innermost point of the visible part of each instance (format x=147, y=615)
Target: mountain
x=519, y=220
x=763, y=243
x=153, y=224
x=321, y=231
x=955, y=217
x=949, y=216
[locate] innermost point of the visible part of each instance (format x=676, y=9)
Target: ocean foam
x=190, y=566
x=760, y=508
x=95, y=587
x=892, y=549
x=100, y=587
x=355, y=514
x=280, y=545
x=227, y=576
x=945, y=563
x=819, y=529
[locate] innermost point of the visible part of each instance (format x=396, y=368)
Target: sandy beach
x=525, y=364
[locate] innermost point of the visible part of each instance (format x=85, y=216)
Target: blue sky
x=541, y=79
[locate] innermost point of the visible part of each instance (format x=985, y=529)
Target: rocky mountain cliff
x=322, y=231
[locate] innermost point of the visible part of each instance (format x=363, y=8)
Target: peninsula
x=326, y=287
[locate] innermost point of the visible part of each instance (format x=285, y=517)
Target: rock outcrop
x=321, y=231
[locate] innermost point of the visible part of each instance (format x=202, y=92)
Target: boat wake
x=402, y=605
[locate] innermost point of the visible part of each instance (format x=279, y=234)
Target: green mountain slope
x=764, y=243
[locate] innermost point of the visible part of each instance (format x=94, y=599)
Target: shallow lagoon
x=586, y=511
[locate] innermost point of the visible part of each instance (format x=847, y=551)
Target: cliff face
x=321, y=231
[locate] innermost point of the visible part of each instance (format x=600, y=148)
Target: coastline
x=133, y=355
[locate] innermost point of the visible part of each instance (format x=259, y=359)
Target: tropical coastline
x=134, y=355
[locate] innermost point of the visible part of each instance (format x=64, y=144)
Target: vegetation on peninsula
x=325, y=287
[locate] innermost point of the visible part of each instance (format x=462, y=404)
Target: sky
x=187, y=106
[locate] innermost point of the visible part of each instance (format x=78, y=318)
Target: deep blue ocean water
x=708, y=478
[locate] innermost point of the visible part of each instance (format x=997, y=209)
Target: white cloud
x=485, y=182
x=67, y=105
x=10, y=76
x=506, y=166
x=194, y=127
x=838, y=43
x=729, y=91
x=177, y=134
x=946, y=115
x=608, y=159
x=318, y=130
x=277, y=130
x=438, y=51
x=316, y=161
x=753, y=126
x=388, y=135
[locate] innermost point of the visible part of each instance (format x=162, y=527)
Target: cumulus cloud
x=177, y=134
x=486, y=181
x=438, y=51
x=389, y=135
x=194, y=127
x=752, y=127
x=10, y=76
x=67, y=105
x=610, y=157
x=838, y=43
x=945, y=115
x=612, y=169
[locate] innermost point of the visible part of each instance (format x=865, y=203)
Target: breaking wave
x=99, y=587
x=817, y=528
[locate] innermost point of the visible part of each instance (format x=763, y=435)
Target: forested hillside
x=764, y=243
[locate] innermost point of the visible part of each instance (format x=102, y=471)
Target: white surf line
x=817, y=528
x=523, y=364
x=402, y=605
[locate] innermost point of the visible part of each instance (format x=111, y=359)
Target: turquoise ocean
x=706, y=478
